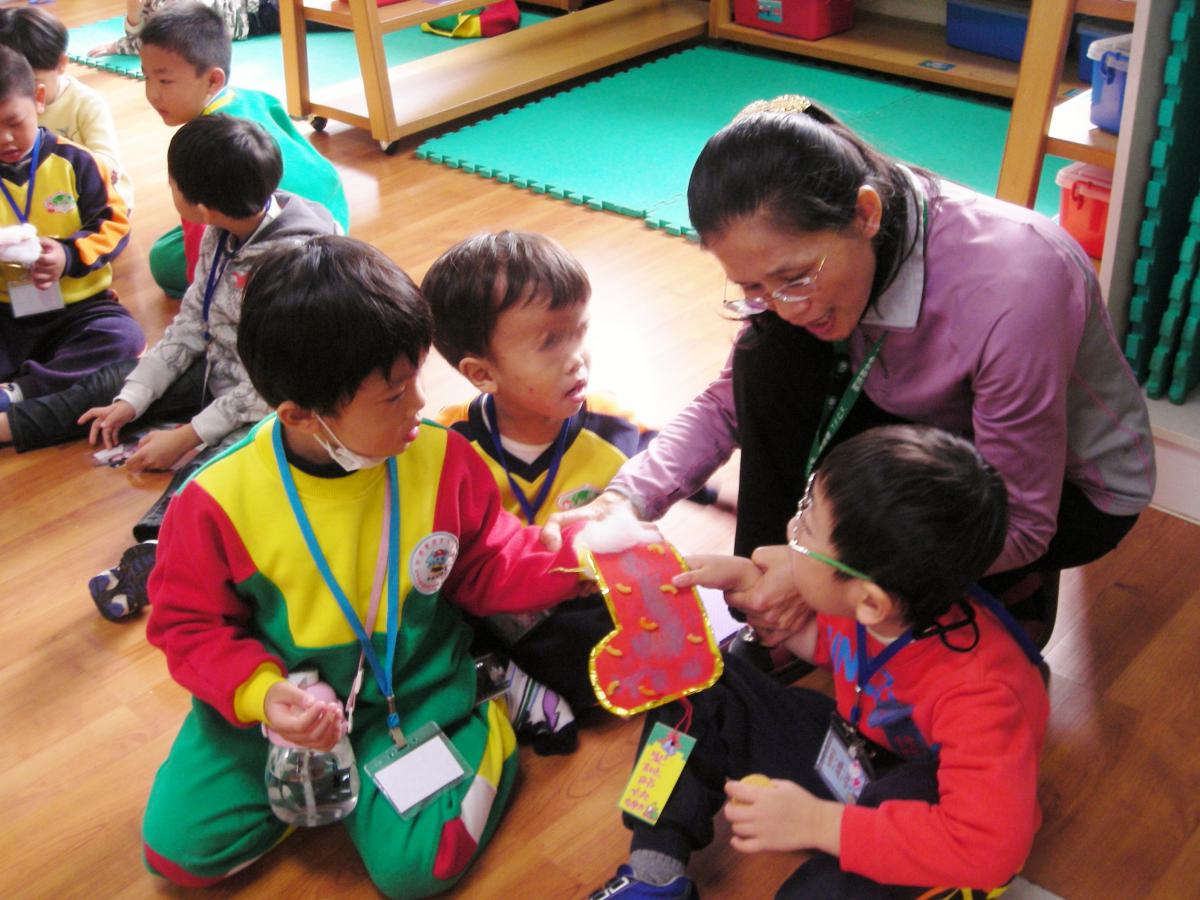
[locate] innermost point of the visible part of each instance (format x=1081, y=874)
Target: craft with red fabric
x=662, y=648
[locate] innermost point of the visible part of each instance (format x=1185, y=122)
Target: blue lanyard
x=215, y=272
x=383, y=677
x=867, y=667
x=33, y=167
x=998, y=610
x=560, y=447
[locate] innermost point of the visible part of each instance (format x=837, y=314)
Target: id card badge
x=844, y=762
x=412, y=775
x=28, y=300
x=491, y=677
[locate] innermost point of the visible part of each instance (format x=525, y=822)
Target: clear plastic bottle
x=311, y=787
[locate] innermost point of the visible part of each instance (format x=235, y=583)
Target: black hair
x=16, y=75
x=917, y=509
x=194, y=31
x=800, y=166
x=477, y=279
x=35, y=34
x=227, y=163
x=320, y=317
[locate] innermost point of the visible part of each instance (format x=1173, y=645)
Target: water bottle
x=311, y=787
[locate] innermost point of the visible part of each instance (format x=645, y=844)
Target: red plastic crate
x=807, y=19
x=1083, y=204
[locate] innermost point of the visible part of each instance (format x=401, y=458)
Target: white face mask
x=343, y=455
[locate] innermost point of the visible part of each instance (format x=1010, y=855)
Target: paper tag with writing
x=657, y=770
x=412, y=775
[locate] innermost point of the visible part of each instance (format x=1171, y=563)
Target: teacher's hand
x=604, y=506
x=773, y=606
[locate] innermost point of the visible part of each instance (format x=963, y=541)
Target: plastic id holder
x=413, y=775
x=662, y=647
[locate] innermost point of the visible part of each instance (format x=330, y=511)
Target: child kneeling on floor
x=922, y=771
x=277, y=555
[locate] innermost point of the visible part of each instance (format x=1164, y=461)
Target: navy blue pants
x=51, y=351
x=747, y=723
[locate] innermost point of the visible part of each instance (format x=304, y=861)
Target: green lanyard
x=833, y=416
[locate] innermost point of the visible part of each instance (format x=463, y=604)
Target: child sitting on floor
x=59, y=318
x=272, y=558
x=223, y=173
x=922, y=771
x=243, y=18
x=73, y=110
x=510, y=313
x=186, y=53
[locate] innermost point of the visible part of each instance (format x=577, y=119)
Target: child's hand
x=103, y=49
x=604, y=506
x=159, y=450
x=107, y=421
x=48, y=267
x=781, y=816
x=731, y=574
x=773, y=606
x=297, y=717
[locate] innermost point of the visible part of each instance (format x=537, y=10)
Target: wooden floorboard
x=88, y=710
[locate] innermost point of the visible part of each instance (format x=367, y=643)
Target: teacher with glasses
x=877, y=293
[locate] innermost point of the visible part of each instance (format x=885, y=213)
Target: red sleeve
x=196, y=617
x=193, y=233
x=502, y=565
x=981, y=830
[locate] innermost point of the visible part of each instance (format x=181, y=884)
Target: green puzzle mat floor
x=627, y=142
x=258, y=61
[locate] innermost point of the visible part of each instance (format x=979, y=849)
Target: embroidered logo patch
x=431, y=561
x=581, y=496
x=60, y=203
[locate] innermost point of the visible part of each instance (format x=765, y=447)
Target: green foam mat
x=258, y=61
x=627, y=142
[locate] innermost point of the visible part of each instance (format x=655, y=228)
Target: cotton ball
x=19, y=244
x=616, y=533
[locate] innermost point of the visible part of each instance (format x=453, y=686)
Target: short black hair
x=35, y=34
x=194, y=31
x=227, y=163
x=917, y=509
x=16, y=75
x=477, y=279
x=320, y=317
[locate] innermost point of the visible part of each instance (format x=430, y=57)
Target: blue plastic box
x=987, y=26
x=1111, y=57
x=1089, y=29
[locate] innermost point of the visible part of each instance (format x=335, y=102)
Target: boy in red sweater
x=922, y=770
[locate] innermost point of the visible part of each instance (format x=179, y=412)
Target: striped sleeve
x=104, y=218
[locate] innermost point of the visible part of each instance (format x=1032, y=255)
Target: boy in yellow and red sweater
x=59, y=319
x=272, y=558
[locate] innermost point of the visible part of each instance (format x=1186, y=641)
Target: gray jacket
x=289, y=220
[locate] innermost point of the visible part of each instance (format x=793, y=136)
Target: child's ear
x=62, y=64
x=215, y=78
x=297, y=417
x=479, y=372
x=39, y=98
x=873, y=605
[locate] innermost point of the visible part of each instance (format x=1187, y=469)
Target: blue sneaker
x=121, y=592
x=625, y=886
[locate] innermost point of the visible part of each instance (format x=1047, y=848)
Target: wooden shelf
x=885, y=44
x=1073, y=135
x=481, y=74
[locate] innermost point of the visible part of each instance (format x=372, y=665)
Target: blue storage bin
x=987, y=26
x=1089, y=29
x=1111, y=57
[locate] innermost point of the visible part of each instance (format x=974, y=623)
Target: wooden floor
x=88, y=710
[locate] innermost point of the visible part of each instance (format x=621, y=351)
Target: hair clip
x=784, y=103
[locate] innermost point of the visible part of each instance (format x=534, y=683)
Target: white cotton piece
x=616, y=533
x=19, y=244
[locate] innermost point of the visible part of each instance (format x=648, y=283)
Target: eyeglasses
x=793, y=535
x=799, y=291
